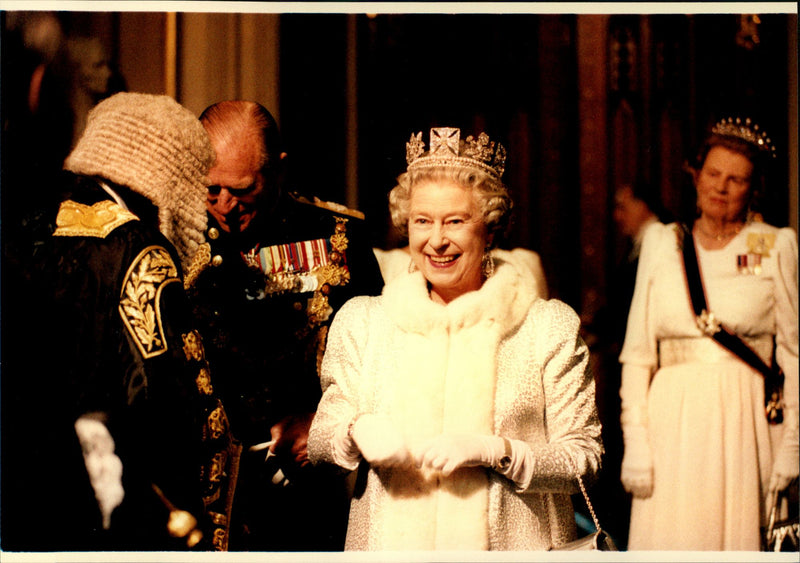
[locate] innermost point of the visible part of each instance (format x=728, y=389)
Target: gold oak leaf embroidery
x=139, y=304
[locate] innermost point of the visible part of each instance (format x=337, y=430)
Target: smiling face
x=447, y=237
x=723, y=185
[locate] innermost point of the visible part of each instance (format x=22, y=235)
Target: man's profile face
x=630, y=213
x=237, y=187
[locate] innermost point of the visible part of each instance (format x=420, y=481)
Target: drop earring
x=487, y=264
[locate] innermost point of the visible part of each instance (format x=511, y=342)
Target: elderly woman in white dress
x=700, y=455
x=464, y=396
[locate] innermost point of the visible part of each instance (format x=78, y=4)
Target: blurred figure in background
x=89, y=75
x=36, y=138
x=635, y=209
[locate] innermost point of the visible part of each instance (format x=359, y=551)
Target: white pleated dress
x=713, y=450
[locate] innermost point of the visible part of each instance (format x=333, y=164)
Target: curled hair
x=492, y=195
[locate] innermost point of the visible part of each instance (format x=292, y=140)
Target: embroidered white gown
x=493, y=361
x=713, y=450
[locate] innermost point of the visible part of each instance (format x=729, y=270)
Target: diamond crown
x=445, y=150
x=746, y=130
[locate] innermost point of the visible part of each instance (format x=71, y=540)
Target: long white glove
x=787, y=459
x=447, y=452
x=380, y=442
x=637, y=461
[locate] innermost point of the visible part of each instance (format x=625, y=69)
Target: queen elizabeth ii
x=464, y=397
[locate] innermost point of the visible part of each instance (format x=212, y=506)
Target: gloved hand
x=637, y=461
x=379, y=441
x=787, y=459
x=447, y=452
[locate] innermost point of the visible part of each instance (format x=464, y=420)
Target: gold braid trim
x=79, y=220
x=194, y=351
x=200, y=261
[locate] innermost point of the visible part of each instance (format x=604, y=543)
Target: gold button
x=213, y=233
x=216, y=260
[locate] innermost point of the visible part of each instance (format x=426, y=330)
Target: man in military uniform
x=112, y=436
x=277, y=270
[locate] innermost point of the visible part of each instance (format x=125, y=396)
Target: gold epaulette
x=330, y=206
x=98, y=220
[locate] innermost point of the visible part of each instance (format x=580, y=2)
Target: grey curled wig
x=492, y=195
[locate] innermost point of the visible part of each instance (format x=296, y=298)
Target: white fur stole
x=445, y=383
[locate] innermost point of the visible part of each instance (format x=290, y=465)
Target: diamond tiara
x=445, y=150
x=746, y=130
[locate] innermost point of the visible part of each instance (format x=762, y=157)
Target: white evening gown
x=712, y=447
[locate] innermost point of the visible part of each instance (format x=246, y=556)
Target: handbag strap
x=705, y=319
x=585, y=494
x=588, y=503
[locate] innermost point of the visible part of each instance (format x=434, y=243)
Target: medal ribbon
x=294, y=257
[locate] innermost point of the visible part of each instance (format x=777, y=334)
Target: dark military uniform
x=96, y=321
x=265, y=300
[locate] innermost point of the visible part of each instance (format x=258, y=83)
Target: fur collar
x=443, y=381
x=504, y=298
